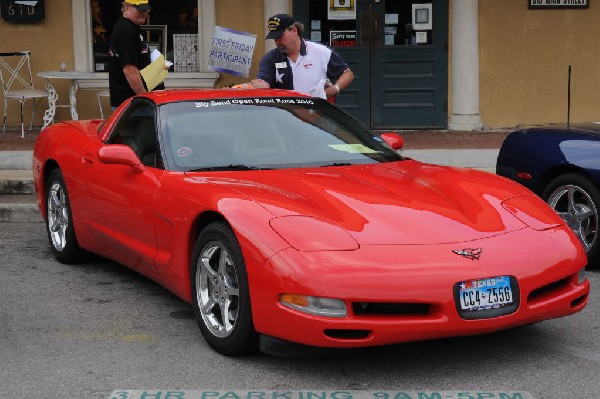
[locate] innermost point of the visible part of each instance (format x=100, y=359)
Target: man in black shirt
x=129, y=52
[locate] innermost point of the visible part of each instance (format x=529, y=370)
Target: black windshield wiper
x=227, y=167
x=337, y=164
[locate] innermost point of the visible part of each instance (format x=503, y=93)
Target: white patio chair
x=17, y=84
x=102, y=94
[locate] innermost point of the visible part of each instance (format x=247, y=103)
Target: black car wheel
x=577, y=200
x=59, y=221
x=220, y=294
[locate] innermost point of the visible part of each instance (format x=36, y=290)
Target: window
x=90, y=39
x=171, y=27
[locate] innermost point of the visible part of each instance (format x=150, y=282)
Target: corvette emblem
x=469, y=253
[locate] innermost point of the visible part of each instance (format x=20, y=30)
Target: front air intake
x=391, y=309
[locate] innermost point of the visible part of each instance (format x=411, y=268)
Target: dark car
x=562, y=166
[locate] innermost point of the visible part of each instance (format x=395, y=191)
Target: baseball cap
x=141, y=5
x=277, y=24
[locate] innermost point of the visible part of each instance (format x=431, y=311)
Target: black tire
x=577, y=200
x=220, y=285
x=59, y=221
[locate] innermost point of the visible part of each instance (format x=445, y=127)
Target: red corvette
x=282, y=219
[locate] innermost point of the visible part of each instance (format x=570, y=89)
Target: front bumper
x=418, y=282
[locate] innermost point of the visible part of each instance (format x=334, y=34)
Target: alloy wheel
x=58, y=216
x=218, y=289
x=575, y=206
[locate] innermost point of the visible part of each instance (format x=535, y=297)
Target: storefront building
x=419, y=64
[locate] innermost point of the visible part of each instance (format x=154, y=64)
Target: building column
x=465, y=66
x=271, y=8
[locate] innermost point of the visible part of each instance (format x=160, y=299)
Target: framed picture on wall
x=156, y=37
x=422, y=16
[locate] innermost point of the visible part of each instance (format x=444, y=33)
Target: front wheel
x=220, y=295
x=577, y=200
x=59, y=221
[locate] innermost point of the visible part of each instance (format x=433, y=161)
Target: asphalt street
x=85, y=331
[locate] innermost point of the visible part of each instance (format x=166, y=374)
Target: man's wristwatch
x=337, y=88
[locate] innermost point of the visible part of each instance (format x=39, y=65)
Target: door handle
x=376, y=33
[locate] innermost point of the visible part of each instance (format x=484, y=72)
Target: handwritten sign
x=231, y=51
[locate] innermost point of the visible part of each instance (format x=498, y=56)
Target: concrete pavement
x=477, y=150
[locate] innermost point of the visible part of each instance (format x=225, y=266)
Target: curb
x=16, y=160
x=18, y=181
x=19, y=209
x=481, y=159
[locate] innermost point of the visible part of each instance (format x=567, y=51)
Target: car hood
x=394, y=203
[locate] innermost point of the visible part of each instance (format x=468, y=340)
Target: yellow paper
x=353, y=148
x=154, y=73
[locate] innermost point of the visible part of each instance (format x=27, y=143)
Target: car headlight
x=328, y=307
x=308, y=234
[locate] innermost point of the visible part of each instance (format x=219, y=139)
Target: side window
x=137, y=129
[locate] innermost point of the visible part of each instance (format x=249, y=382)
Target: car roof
x=176, y=95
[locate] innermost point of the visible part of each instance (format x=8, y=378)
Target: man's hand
x=243, y=86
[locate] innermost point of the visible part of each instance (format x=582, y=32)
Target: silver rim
x=58, y=217
x=217, y=289
x=576, y=208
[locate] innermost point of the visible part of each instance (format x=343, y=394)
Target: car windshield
x=265, y=133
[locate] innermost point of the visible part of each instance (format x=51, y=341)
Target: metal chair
x=17, y=84
x=100, y=95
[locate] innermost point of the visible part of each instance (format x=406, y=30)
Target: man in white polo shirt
x=298, y=64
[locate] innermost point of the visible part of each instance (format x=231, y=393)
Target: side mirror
x=394, y=140
x=120, y=154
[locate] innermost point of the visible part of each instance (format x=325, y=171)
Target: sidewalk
x=473, y=149
x=413, y=139
x=477, y=150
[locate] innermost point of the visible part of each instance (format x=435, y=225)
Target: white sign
x=391, y=19
x=422, y=17
x=231, y=51
x=341, y=9
x=421, y=37
x=185, y=56
x=558, y=3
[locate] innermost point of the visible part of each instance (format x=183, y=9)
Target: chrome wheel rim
x=575, y=206
x=217, y=289
x=58, y=216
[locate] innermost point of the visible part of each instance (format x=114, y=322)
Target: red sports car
x=282, y=219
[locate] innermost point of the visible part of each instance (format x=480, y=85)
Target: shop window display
x=175, y=20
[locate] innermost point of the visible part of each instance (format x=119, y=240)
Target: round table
x=74, y=77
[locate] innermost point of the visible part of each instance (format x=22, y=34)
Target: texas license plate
x=485, y=293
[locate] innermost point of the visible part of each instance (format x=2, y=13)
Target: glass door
x=398, y=52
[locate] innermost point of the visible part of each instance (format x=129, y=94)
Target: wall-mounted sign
x=346, y=38
x=422, y=16
x=341, y=9
x=22, y=10
x=558, y=4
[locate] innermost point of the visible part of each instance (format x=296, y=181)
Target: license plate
x=485, y=293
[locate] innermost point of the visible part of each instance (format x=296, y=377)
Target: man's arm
x=254, y=84
x=343, y=81
x=134, y=78
x=259, y=84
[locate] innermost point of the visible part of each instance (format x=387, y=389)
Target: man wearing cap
x=298, y=64
x=128, y=51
